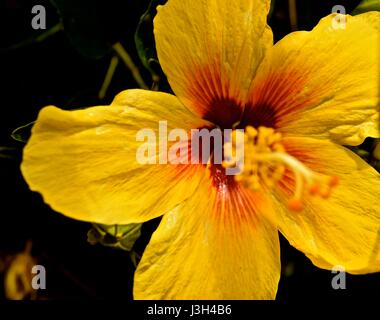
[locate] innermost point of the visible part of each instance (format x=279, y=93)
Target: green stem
x=293, y=15
x=109, y=75
x=126, y=58
x=35, y=39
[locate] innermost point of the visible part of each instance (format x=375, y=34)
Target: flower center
x=262, y=160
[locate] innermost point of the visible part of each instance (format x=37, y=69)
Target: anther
x=265, y=162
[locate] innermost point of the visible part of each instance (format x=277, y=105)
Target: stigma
x=262, y=162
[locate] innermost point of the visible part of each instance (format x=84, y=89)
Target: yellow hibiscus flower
x=299, y=101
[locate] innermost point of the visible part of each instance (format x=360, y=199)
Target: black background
x=54, y=72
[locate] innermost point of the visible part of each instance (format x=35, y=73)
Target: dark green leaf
x=22, y=134
x=367, y=5
x=116, y=236
x=135, y=258
x=144, y=38
x=82, y=23
x=364, y=154
x=272, y=4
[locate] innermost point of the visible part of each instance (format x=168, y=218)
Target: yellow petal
x=345, y=228
x=210, y=51
x=323, y=83
x=213, y=246
x=84, y=162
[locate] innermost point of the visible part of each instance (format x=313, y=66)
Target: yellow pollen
x=262, y=160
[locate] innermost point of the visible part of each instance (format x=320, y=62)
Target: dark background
x=55, y=72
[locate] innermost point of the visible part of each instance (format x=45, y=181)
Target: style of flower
x=298, y=101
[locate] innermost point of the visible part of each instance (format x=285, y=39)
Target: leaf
x=144, y=38
x=376, y=150
x=271, y=10
x=116, y=236
x=22, y=134
x=364, y=154
x=367, y=5
x=135, y=258
x=375, y=160
x=82, y=21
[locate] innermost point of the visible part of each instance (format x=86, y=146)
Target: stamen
x=264, y=163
